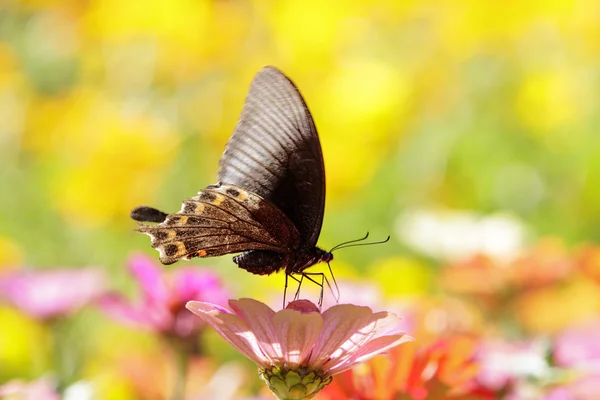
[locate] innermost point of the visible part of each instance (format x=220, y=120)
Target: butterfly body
x=270, y=199
x=261, y=262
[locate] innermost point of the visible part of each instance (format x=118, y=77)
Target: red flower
x=443, y=370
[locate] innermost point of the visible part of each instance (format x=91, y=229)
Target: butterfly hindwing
x=222, y=220
x=275, y=152
x=148, y=214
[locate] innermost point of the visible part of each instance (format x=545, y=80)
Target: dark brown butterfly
x=270, y=198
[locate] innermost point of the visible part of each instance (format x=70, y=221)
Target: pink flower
x=47, y=294
x=41, y=389
x=162, y=307
x=503, y=363
x=579, y=347
x=587, y=388
x=299, y=349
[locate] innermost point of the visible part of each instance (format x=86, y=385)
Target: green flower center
x=294, y=384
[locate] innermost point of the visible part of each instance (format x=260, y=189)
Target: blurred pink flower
x=162, y=307
x=360, y=292
x=587, y=388
x=299, y=349
x=40, y=389
x=52, y=293
x=579, y=347
x=503, y=363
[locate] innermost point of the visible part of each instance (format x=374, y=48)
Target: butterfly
x=269, y=201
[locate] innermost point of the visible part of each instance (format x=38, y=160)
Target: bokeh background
x=468, y=131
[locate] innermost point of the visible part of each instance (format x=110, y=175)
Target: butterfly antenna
x=339, y=246
x=353, y=243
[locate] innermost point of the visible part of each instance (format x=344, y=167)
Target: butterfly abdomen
x=261, y=262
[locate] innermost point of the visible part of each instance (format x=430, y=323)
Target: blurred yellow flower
x=359, y=113
x=402, y=277
x=551, y=100
x=10, y=253
x=127, y=163
x=178, y=22
x=9, y=66
x=549, y=310
x=309, y=29
x=24, y=356
x=108, y=154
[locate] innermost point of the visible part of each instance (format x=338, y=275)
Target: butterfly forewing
x=222, y=220
x=270, y=198
x=275, y=153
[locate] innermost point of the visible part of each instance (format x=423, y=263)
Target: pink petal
x=259, y=318
x=387, y=323
x=119, y=309
x=188, y=282
x=340, y=323
x=347, y=349
x=232, y=328
x=297, y=333
x=370, y=350
x=201, y=285
x=379, y=324
x=149, y=278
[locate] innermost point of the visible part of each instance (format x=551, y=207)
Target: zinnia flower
x=577, y=353
x=162, y=307
x=504, y=364
x=578, y=347
x=41, y=389
x=299, y=349
x=444, y=370
x=51, y=293
x=587, y=388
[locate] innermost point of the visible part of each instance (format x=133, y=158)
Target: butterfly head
x=324, y=256
x=308, y=259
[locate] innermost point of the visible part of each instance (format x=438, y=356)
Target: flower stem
x=64, y=354
x=181, y=370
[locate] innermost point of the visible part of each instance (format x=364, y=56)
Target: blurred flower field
x=465, y=130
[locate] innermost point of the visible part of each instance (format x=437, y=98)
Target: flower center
x=294, y=384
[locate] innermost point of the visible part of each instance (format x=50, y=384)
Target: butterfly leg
x=285, y=291
x=337, y=289
x=286, y=286
x=321, y=284
x=297, y=295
